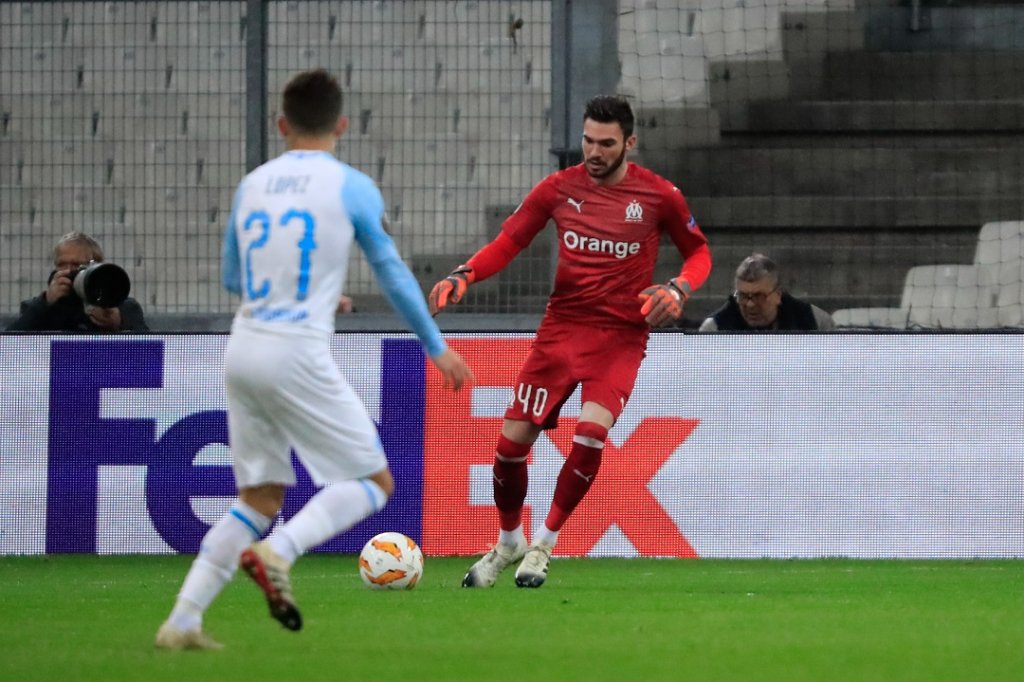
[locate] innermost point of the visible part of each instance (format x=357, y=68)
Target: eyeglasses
x=757, y=297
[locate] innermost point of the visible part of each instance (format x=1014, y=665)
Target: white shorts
x=286, y=392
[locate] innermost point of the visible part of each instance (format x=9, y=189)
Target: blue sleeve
x=230, y=259
x=366, y=209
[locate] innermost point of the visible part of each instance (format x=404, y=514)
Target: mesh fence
x=871, y=147
x=123, y=120
x=449, y=105
x=126, y=120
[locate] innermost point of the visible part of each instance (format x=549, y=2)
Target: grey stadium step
x=892, y=116
x=853, y=211
x=959, y=25
x=962, y=75
x=882, y=171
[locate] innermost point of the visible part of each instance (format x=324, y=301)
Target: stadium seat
x=39, y=70
x=1011, y=305
x=400, y=115
x=465, y=68
x=188, y=286
x=429, y=161
x=445, y=22
x=27, y=248
x=939, y=291
x=870, y=318
x=207, y=23
x=194, y=163
x=481, y=113
x=154, y=210
x=381, y=23
x=999, y=242
x=302, y=23
x=445, y=219
x=934, y=297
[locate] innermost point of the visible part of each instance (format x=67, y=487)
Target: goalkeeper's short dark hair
x=311, y=102
x=611, y=109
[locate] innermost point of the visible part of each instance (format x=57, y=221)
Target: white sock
x=216, y=563
x=331, y=511
x=512, y=538
x=546, y=536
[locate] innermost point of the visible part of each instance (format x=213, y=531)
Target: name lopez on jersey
x=579, y=242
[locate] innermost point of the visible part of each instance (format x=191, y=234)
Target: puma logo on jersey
x=578, y=205
x=582, y=475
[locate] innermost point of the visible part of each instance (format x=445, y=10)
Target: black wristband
x=682, y=292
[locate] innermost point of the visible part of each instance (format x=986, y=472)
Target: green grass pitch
x=94, y=618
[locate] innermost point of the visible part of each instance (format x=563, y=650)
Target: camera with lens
x=104, y=285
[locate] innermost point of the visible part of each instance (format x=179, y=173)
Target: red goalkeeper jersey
x=608, y=241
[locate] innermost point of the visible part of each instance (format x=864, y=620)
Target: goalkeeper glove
x=663, y=303
x=451, y=289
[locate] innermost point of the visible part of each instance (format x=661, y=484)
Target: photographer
x=60, y=308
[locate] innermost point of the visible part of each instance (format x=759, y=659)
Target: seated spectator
x=760, y=304
x=59, y=308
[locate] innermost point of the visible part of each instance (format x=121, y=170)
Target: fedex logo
x=82, y=442
x=120, y=415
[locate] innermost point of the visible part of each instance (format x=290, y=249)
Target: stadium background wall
x=873, y=148
x=901, y=446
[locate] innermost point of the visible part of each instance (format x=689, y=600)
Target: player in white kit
x=286, y=252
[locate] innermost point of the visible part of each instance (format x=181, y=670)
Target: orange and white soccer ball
x=391, y=561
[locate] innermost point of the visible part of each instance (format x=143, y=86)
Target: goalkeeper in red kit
x=610, y=216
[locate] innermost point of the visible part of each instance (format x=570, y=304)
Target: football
x=391, y=561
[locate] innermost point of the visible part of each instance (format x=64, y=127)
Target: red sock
x=578, y=472
x=510, y=479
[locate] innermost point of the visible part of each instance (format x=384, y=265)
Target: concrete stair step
x=907, y=140
x=852, y=211
x=893, y=116
x=943, y=25
x=871, y=170
x=962, y=75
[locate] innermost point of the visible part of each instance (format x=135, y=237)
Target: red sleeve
x=517, y=232
x=686, y=234
x=493, y=257
x=696, y=267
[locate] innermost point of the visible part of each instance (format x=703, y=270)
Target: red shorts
x=565, y=355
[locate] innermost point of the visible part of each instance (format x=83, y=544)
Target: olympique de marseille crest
x=634, y=212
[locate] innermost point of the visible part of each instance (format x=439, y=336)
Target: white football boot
x=485, y=572
x=271, y=573
x=170, y=637
x=533, y=571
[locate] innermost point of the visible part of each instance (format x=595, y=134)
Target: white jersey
x=287, y=244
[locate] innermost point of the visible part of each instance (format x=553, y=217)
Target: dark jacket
x=68, y=315
x=794, y=315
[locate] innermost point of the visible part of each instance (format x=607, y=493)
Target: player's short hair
x=756, y=267
x=82, y=239
x=611, y=109
x=311, y=102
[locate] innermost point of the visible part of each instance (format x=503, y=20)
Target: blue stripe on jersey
x=249, y=524
x=371, y=494
x=230, y=258
x=365, y=207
